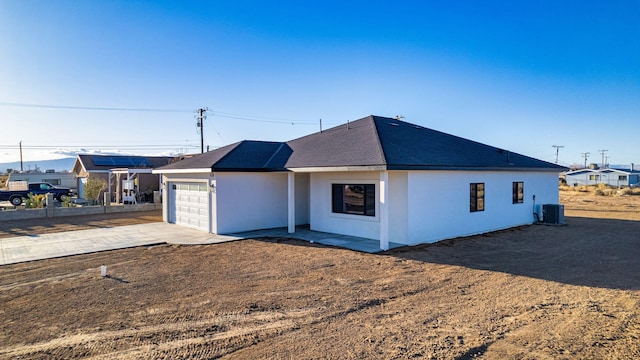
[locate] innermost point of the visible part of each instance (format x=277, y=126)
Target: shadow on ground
x=586, y=252
x=591, y=252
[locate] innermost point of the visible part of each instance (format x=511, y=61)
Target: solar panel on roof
x=124, y=161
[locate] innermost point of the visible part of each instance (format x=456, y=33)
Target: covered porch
x=301, y=208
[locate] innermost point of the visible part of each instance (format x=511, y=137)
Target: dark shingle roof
x=409, y=146
x=371, y=141
x=352, y=144
x=242, y=156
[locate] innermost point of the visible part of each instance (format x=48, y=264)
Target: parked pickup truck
x=16, y=196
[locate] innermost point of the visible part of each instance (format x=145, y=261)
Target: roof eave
x=472, y=168
x=339, y=168
x=181, y=171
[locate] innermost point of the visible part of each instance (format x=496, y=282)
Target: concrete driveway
x=45, y=246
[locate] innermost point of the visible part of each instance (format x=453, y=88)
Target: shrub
x=625, y=191
x=35, y=201
x=67, y=202
x=93, y=188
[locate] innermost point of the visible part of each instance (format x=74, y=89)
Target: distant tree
x=93, y=188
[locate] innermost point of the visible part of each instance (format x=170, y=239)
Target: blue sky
x=517, y=75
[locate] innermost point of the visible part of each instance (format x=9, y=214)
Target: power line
x=92, y=146
x=124, y=147
x=266, y=119
x=90, y=107
x=255, y=118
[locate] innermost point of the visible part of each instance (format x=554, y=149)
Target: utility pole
x=21, y=167
x=202, y=114
x=586, y=156
x=602, y=153
x=557, y=150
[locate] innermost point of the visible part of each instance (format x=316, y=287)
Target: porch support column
x=291, y=204
x=109, y=188
x=384, y=210
x=118, y=188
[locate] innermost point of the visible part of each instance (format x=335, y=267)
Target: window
x=594, y=177
x=354, y=199
x=518, y=192
x=477, y=197
x=52, y=181
x=622, y=177
x=190, y=187
x=45, y=186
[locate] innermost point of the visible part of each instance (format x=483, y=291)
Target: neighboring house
x=377, y=178
x=115, y=169
x=60, y=179
x=613, y=177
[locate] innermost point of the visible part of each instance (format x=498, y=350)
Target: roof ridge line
x=375, y=128
x=282, y=144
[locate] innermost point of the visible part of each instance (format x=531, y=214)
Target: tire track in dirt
x=164, y=337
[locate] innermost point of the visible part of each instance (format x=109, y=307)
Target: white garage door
x=190, y=205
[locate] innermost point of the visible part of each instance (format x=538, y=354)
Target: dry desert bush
x=601, y=190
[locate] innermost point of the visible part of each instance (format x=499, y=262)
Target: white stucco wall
x=439, y=202
x=323, y=219
x=250, y=201
x=398, y=207
x=302, y=198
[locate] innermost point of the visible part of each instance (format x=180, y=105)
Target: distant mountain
x=43, y=165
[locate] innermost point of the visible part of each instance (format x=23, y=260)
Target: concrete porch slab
x=304, y=233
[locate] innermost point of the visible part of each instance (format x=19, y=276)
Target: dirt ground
x=71, y=223
x=533, y=292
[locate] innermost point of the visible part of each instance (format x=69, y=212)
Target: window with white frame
x=353, y=199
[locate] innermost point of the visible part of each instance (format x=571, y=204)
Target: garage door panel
x=192, y=205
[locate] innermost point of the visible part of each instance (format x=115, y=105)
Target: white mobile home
x=612, y=177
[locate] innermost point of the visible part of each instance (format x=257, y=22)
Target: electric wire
x=222, y=114
x=91, y=108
